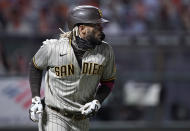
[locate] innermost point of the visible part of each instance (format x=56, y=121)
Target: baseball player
x=80, y=73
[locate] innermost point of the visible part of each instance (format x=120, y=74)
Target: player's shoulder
x=64, y=40
x=105, y=45
x=53, y=42
x=49, y=41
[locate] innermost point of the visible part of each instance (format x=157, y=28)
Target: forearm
x=104, y=90
x=35, y=78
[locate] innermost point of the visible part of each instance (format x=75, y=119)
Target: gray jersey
x=67, y=86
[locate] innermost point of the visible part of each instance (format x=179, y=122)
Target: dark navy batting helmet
x=85, y=14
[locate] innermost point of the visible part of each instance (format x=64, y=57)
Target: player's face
x=93, y=33
x=96, y=31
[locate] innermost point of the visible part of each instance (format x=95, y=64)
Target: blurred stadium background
x=151, y=40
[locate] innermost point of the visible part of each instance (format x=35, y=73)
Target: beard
x=94, y=40
x=90, y=41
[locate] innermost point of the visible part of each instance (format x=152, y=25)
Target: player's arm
x=108, y=78
x=35, y=78
x=105, y=87
x=38, y=63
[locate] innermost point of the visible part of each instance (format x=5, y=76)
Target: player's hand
x=36, y=108
x=90, y=108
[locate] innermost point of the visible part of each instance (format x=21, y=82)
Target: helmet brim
x=99, y=21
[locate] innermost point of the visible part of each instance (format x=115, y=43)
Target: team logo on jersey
x=64, y=70
x=87, y=68
x=91, y=68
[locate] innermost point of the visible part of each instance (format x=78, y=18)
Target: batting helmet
x=85, y=14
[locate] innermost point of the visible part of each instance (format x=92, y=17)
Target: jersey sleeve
x=109, y=70
x=40, y=59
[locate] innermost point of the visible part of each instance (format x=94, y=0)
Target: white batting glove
x=36, y=108
x=90, y=108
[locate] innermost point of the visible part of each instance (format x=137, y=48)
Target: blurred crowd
x=141, y=16
x=27, y=17
x=127, y=17
x=12, y=63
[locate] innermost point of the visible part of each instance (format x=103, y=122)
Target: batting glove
x=90, y=108
x=36, y=108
